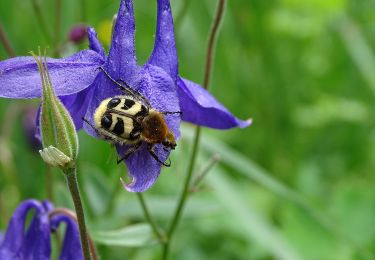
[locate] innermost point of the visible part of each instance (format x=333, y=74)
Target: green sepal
x=56, y=125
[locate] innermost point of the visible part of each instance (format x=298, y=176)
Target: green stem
x=149, y=218
x=211, y=42
x=200, y=175
x=6, y=42
x=49, y=183
x=41, y=21
x=71, y=178
x=57, y=25
x=208, y=69
x=83, y=10
x=184, y=194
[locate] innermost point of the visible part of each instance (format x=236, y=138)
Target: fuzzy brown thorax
x=155, y=130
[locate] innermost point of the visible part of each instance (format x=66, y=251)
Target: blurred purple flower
x=82, y=88
x=35, y=241
x=78, y=33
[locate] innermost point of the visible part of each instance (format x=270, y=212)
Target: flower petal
x=37, y=244
x=164, y=54
x=15, y=236
x=199, y=107
x=94, y=43
x=158, y=87
x=71, y=249
x=121, y=58
x=142, y=167
x=20, y=77
x=77, y=105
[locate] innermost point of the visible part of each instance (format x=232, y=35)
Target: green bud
x=54, y=157
x=59, y=136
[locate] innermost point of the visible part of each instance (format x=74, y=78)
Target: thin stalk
x=150, y=220
x=57, y=30
x=211, y=42
x=49, y=183
x=184, y=195
x=6, y=42
x=83, y=10
x=41, y=21
x=200, y=175
x=208, y=69
x=71, y=178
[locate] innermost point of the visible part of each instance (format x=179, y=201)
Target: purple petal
x=71, y=249
x=14, y=240
x=164, y=54
x=143, y=168
x=121, y=58
x=37, y=244
x=159, y=88
x=94, y=43
x=77, y=105
x=20, y=78
x=200, y=107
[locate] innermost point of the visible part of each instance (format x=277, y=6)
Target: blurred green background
x=297, y=184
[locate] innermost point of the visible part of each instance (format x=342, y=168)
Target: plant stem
x=150, y=220
x=41, y=21
x=49, y=183
x=185, y=191
x=184, y=194
x=6, y=43
x=57, y=25
x=204, y=172
x=71, y=178
x=83, y=10
x=211, y=42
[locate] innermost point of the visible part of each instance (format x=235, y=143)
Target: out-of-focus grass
x=301, y=69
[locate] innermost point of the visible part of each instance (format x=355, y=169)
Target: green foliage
x=135, y=236
x=299, y=183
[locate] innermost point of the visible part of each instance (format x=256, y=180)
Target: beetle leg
x=170, y=113
x=153, y=154
x=129, y=152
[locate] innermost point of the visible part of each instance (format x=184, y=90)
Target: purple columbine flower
x=82, y=87
x=34, y=242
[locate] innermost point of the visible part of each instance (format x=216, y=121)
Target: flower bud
x=57, y=129
x=54, y=157
x=78, y=33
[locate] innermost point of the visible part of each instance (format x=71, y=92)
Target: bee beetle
x=129, y=119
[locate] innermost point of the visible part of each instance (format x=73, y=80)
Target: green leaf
x=256, y=173
x=255, y=227
x=132, y=236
